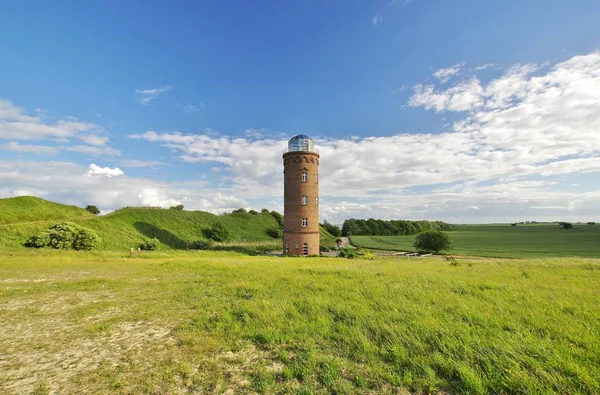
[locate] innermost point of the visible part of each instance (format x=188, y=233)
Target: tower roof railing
x=300, y=149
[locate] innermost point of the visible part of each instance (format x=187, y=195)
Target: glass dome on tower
x=301, y=143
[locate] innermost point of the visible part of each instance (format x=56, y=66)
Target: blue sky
x=466, y=111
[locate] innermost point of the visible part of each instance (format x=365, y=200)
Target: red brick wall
x=294, y=164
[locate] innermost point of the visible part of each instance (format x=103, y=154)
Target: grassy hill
x=128, y=227
x=30, y=208
x=503, y=240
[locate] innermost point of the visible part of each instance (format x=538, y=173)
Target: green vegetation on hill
x=221, y=322
x=32, y=209
x=503, y=240
x=175, y=229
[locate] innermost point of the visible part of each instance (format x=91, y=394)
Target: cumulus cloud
x=95, y=170
x=515, y=141
x=445, y=74
x=16, y=124
x=30, y=148
x=145, y=96
x=521, y=124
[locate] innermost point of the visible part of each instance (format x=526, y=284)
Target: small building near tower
x=301, y=197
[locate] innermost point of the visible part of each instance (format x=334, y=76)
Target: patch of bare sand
x=22, y=371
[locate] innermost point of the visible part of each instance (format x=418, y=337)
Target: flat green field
x=503, y=240
x=222, y=322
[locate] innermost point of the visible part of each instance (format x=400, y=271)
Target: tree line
x=378, y=227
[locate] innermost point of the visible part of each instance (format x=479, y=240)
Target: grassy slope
x=211, y=322
x=503, y=240
x=29, y=209
x=127, y=228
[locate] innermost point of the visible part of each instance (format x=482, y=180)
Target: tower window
x=304, y=200
x=304, y=222
x=317, y=200
x=305, y=249
x=296, y=245
x=304, y=177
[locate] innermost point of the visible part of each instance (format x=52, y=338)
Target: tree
x=239, y=211
x=92, y=209
x=219, y=232
x=178, y=207
x=65, y=236
x=332, y=229
x=433, y=240
x=253, y=212
x=567, y=225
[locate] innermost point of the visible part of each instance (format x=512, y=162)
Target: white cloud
x=376, y=20
x=95, y=170
x=93, y=139
x=92, y=150
x=485, y=66
x=141, y=163
x=145, y=96
x=192, y=108
x=445, y=74
x=156, y=197
x=30, y=148
x=515, y=142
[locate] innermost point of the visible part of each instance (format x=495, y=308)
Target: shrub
x=201, y=245
x=567, y=225
x=349, y=253
x=178, y=207
x=65, y=236
x=275, y=233
x=253, y=212
x=239, y=211
x=433, y=240
x=265, y=211
x=219, y=232
x=150, y=244
x=591, y=223
x=92, y=209
x=278, y=217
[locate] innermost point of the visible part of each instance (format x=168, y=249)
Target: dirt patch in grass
x=56, y=365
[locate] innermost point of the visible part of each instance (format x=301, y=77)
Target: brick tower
x=301, y=197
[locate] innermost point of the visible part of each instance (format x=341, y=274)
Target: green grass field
x=503, y=240
x=173, y=322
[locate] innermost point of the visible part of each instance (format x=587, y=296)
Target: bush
x=275, y=233
x=239, y=211
x=178, y=207
x=253, y=212
x=219, y=232
x=349, y=253
x=201, y=245
x=278, y=217
x=92, y=209
x=591, y=223
x=567, y=225
x=433, y=240
x=65, y=236
x=150, y=244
